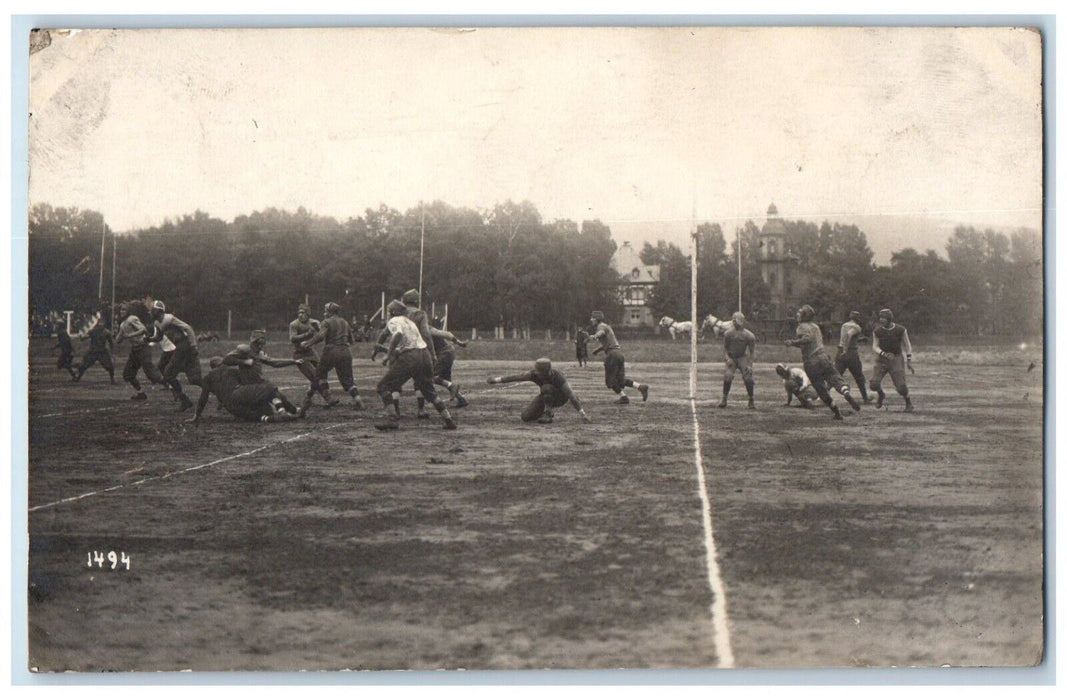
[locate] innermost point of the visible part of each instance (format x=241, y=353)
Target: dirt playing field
x=890, y=539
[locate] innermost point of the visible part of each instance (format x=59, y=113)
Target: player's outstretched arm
x=577, y=404
x=524, y=377
x=200, y=405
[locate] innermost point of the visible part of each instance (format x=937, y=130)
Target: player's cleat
x=722, y=404
x=837, y=414
x=450, y=424
x=302, y=412
x=752, y=404
x=644, y=392
x=881, y=400
x=387, y=421
x=623, y=400
x=853, y=403
x=867, y=399
x=139, y=396
x=186, y=404
x=357, y=404
x=77, y=377
x=461, y=401
x=908, y=407
x=422, y=414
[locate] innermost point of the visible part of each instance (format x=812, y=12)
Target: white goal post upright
x=693, y=311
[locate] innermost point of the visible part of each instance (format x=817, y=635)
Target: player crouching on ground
x=408, y=358
x=817, y=363
x=796, y=384
x=259, y=401
x=555, y=391
x=893, y=348
x=739, y=344
x=614, y=362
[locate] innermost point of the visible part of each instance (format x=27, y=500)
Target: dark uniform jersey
x=63, y=340
x=221, y=382
x=554, y=378
x=99, y=338
x=338, y=332
x=738, y=341
x=891, y=339
x=606, y=336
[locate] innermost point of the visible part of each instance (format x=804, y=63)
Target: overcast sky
x=904, y=131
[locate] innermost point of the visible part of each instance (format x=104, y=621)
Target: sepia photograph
x=522, y=348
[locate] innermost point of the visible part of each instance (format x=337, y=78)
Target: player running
x=66, y=351
x=408, y=357
x=185, y=358
x=134, y=329
x=796, y=384
x=614, y=362
x=739, y=345
x=100, y=346
x=555, y=392
x=817, y=363
x=258, y=401
x=304, y=328
x=444, y=349
x=336, y=336
x=848, y=352
x=893, y=348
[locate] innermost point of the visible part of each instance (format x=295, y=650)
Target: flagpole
x=114, y=244
x=103, y=238
x=739, y=269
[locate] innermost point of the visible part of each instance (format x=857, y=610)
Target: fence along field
x=894, y=539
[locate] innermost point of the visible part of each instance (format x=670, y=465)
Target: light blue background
x=21, y=25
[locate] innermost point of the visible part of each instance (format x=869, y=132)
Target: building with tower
x=781, y=272
x=635, y=292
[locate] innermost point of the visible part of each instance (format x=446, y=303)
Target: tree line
x=506, y=266
x=501, y=267
x=988, y=283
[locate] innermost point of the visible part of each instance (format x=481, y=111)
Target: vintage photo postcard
x=535, y=348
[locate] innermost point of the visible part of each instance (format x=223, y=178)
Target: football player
x=554, y=392
x=817, y=363
x=739, y=345
x=893, y=348
x=614, y=362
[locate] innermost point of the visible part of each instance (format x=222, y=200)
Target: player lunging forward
x=893, y=348
x=304, y=328
x=555, y=392
x=848, y=353
x=186, y=356
x=252, y=402
x=100, y=345
x=817, y=363
x=614, y=362
x=336, y=335
x=408, y=358
x=739, y=344
x=444, y=350
x=134, y=329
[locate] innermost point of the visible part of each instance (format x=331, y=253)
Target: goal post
x=693, y=315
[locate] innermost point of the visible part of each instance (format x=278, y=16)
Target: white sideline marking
x=183, y=471
x=718, y=590
x=116, y=406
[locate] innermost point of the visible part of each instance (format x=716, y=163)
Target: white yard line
x=719, y=620
x=183, y=471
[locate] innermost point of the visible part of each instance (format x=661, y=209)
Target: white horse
x=676, y=328
x=716, y=325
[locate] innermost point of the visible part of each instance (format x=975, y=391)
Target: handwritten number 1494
x=110, y=560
